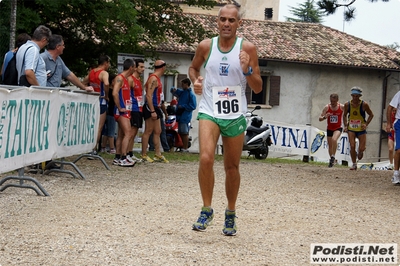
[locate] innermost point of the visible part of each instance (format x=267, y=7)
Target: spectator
x=186, y=105
x=56, y=69
x=21, y=39
x=163, y=135
x=30, y=65
x=109, y=126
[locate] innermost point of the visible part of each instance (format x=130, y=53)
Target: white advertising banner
x=37, y=125
x=306, y=140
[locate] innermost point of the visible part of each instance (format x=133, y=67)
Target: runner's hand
x=198, y=85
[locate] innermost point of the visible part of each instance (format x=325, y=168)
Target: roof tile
x=301, y=42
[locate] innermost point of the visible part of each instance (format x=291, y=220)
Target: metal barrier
x=58, y=151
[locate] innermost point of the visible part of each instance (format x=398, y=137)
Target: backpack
x=10, y=76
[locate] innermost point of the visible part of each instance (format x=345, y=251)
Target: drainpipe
x=384, y=95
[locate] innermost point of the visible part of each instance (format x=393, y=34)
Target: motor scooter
x=258, y=137
x=171, y=130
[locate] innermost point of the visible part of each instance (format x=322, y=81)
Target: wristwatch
x=249, y=72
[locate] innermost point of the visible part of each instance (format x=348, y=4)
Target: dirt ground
x=143, y=215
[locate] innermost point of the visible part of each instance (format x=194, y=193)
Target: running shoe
x=160, y=159
x=395, y=179
x=146, y=158
x=331, y=162
x=230, y=223
x=390, y=167
x=126, y=163
x=353, y=167
x=130, y=159
x=136, y=158
x=204, y=220
x=112, y=151
x=116, y=161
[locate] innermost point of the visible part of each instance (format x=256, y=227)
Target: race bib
x=333, y=119
x=227, y=101
x=139, y=100
x=354, y=124
x=128, y=105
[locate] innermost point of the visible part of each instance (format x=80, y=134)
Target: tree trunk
x=13, y=23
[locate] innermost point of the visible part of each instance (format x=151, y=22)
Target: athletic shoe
x=146, y=158
x=112, y=151
x=116, y=161
x=230, y=223
x=353, y=167
x=160, y=159
x=331, y=162
x=390, y=167
x=103, y=150
x=130, y=159
x=204, y=220
x=126, y=163
x=395, y=179
x=135, y=158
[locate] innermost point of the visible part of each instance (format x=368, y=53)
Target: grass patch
x=194, y=157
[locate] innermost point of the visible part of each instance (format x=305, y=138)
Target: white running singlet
x=224, y=85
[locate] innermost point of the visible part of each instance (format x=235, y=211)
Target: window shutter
x=180, y=77
x=275, y=90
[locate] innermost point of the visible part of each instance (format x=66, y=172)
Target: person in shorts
x=229, y=62
x=333, y=113
x=356, y=124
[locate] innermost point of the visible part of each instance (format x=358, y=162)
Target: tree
x=306, y=12
x=93, y=27
x=394, y=46
x=329, y=7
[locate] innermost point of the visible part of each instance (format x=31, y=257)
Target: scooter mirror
x=257, y=107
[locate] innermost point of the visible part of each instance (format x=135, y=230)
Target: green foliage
x=94, y=27
x=306, y=12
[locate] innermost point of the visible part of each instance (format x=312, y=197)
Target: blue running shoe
x=204, y=220
x=230, y=223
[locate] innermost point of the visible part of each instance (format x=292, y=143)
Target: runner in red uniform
x=122, y=114
x=333, y=113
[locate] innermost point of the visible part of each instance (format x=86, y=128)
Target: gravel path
x=143, y=215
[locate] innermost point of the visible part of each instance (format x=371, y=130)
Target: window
x=168, y=82
x=270, y=93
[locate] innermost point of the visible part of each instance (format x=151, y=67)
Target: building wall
x=254, y=9
x=250, y=9
x=305, y=90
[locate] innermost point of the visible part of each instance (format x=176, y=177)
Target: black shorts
x=147, y=113
x=329, y=133
x=136, y=119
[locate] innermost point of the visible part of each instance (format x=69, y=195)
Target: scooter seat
x=257, y=130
